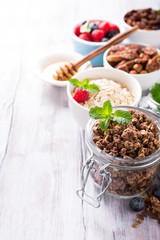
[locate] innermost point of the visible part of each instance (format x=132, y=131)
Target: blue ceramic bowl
x=84, y=47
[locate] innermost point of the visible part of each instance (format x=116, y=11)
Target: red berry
x=80, y=95
x=97, y=35
x=105, y=26
x=77, y=29
x=86, y=36
x=114, y=27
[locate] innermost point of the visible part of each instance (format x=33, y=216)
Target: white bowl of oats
x=120, y=88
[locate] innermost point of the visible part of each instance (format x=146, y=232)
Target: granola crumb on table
x=135, y=225
x=152, y=207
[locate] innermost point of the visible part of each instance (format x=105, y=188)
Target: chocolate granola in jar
x=124, y=158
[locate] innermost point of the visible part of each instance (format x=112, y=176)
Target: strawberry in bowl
x=83, y=89
x=91, y=34
x=96, y=31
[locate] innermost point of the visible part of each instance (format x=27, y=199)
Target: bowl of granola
x=140, y=61
x=93, y=87
x=125, y=149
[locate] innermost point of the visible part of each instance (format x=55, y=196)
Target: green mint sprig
x=158, y=11
x=91, y=88
x=85, y=28
x=105, y=113
x=155, y=92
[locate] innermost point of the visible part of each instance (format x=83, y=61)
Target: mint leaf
x=92, y=88
x=96, y=112
x=104, y=124
x=85, y=83
x=122, y=117
x=155, y=92
x=158, y=11
x=107, y=109
x=75, y=82
x=85, y=28
x=105, y=113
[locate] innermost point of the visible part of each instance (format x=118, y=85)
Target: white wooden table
x=42, y=148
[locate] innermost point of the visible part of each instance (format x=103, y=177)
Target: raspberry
x=77, y=29
x=80, y=95
x=86, y=36
x=105, y=26
x=114, y=27
x=97, y=35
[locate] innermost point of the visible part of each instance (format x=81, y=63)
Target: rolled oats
x=111, y=91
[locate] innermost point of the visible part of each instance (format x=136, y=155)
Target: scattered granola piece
x=135, y=225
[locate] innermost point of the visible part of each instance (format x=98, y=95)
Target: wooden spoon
x=66, y=72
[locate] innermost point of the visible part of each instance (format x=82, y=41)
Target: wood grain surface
x=42, y=148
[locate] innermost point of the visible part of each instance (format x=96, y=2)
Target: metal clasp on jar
x=106, y=176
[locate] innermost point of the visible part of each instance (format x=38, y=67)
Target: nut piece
x=143, y=72
x=114, y=58
x=132, y=72
x=153, y=64
x=138, y=67
x=122, y=66
x=143, y=58
x=129, y=54
x=149, y=50
x=134, y=47
x=117, y=48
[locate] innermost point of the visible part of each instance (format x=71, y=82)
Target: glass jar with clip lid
x=117, y=176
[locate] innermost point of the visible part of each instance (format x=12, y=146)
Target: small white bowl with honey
x=46, y=67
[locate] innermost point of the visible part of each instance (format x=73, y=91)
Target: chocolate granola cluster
x=135, y=140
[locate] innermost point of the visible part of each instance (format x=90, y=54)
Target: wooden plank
x=41, y=147
x=38, y=180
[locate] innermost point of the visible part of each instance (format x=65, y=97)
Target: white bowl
x=146, y=80
x=80, y=113
x=47, y=61
x=151, y=37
